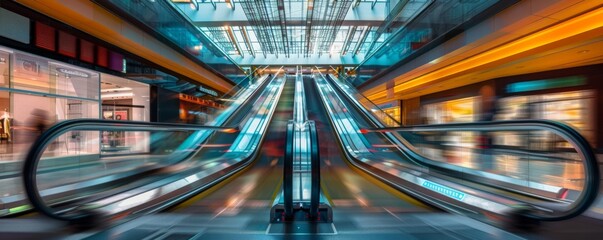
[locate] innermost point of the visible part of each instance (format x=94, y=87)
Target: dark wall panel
x=165, y=105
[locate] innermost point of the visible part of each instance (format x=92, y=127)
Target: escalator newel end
x=89, y=217
x=520, y=218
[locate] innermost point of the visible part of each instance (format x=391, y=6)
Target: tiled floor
x=347, y=225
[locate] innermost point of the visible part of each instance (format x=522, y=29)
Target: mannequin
x=5, y=131
x=6, y=114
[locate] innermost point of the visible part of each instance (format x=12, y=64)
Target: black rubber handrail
x=288, y=170
x=315, y=168
x=35, y=153
x=591, y=187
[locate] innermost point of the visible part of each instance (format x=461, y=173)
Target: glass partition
x=166, y=20
x=438, y=19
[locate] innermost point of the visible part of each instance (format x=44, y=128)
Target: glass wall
x=166, y=20
x=124, y=100
x=434, y=22
x=455, y=146
x=571, y=107
x=35, y=93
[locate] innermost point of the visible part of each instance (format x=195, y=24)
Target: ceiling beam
x=207, y=16
x=233, y=40
x=365, y=33
x=348, y=40
x=247, y=41
x=282, y=18
x=309, y=15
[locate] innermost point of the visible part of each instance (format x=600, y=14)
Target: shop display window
x=34, y=114
x=394, y=112
x=75, y=82
x=4, y=69
x=6, y=122
x=571, y=107
x=124, y=100
x=458, y=110
x=455, y=147
x=30, y=73
x=47, y=92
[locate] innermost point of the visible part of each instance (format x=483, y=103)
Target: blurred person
x=485, y=139
x=38, y=122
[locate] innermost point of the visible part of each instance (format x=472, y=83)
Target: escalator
x=236, y=207
x=362, y=176
x=492, y=196
x=190, y=159
x=257, y=185
x=355, y=196
x=81, y=156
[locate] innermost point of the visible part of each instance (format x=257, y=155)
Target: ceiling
x=300, y=28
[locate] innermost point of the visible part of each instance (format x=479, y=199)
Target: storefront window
x=124, y=100
x=456, y=146
x=568, y=107
x=38, y=93
x=458, y=110
x=4, y=69
x=75, y=82
x=394, y=112
x=30, y=73
x=33, y=114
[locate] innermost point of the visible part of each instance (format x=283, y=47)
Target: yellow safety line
x=326, y=193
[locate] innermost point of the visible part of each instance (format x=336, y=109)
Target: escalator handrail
x=580, y=144
x=251, y=96
x=35, y=153
x=315, y=168
x=588, y=194
x=288, y=170
x=238, y=110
